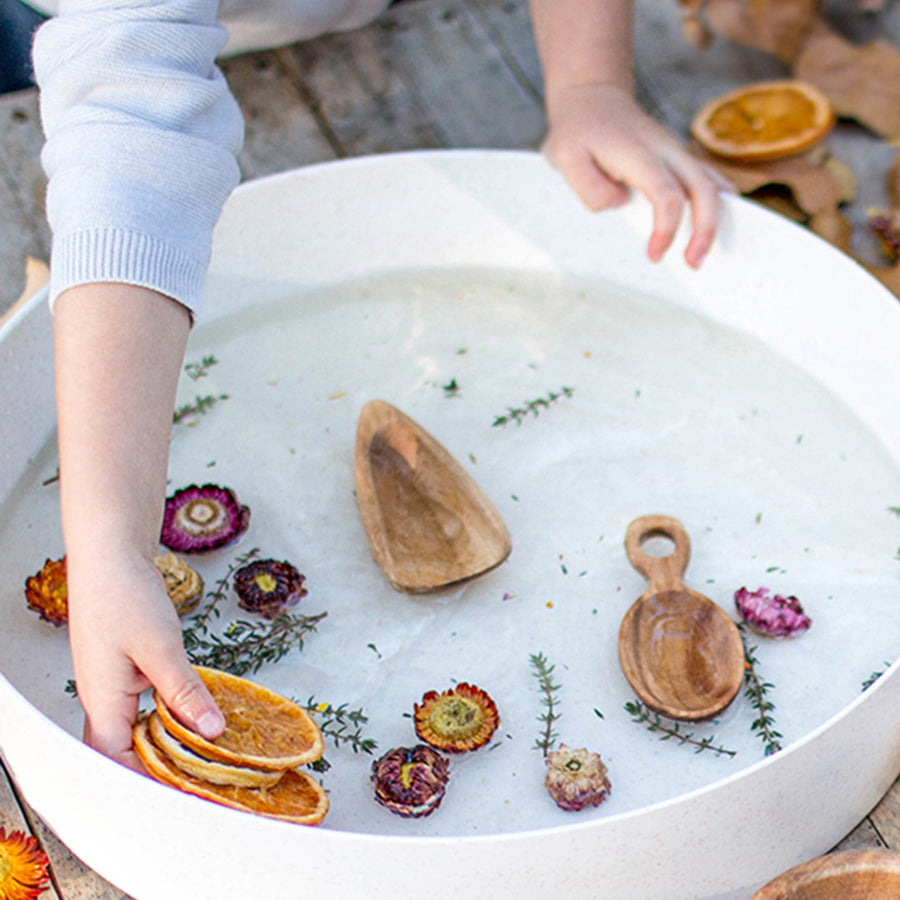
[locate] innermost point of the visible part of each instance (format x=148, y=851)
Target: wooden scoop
x=428, y=523
x=681, y=652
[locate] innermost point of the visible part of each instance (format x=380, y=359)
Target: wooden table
x=428, y=74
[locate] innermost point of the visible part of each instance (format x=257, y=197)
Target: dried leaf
x=893, y=183
x=776, y=26
x=834, y=227
x=862, y=82
x=812, y=186
x=780, y=200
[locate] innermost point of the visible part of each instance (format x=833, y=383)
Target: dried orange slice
x=764, y=121
x=297, y=797
x=263, y=729
x=206, y=770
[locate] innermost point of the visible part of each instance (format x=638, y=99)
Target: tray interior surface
x=778, y=482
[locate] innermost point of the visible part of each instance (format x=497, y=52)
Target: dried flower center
x=200, y=511
x=266, y=582
x=573, y=764
x=407, y=770
x=456, y=717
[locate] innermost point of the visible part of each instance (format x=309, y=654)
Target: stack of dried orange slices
x=252, y=765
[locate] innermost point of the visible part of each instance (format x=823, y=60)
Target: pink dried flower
x=886, y=226
x=198, y=519
x=773, y=616
x=576, y=778
x=410, y=781
x=268, y=587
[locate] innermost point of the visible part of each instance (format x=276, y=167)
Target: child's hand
x=603, y=143
x=125, y=635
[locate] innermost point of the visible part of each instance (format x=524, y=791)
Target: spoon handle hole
x=662, y=533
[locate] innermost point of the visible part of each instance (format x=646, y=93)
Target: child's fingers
x=108, y=727
x=703, y=193
x=185, y=694
x=591, y=184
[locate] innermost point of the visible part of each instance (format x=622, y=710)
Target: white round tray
x=388, y=277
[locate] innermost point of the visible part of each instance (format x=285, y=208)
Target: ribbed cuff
x=124, y=257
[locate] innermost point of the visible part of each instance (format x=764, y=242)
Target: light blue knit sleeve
x=142, y=134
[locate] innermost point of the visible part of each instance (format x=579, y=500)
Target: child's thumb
x=185, y=694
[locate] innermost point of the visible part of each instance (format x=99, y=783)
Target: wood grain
x=428, y=523
x=679, y=651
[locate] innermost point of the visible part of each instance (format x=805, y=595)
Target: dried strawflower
x=410, y=781
x=268, y=587
x=183, y=585
x=576, y=778
x=885, y=223
x=460, y=719
x=23, y=866
x=198, y=519
x=47, y=592
x=774, y=616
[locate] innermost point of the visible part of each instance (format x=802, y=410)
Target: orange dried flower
x=463, y=718
x=47, y=592
x=23, y=866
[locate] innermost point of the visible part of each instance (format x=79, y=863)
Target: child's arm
x=119, y=352
x=600, y=139
x=141, y=141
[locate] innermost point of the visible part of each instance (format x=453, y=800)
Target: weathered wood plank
x=886, y=817
x=23, y=231
x=863, y=837
x=424, y=75
x=464, y=79
x=509, y=25
x=281, y=130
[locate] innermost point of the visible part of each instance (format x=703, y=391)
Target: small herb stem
x=543, y=671
x=672, y=730
x=756, y=691
x=517, y=414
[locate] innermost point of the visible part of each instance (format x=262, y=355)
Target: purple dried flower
x=773, y=616
x=268, y=587
x=410, y=781
x=576, y=778
x=198, y=519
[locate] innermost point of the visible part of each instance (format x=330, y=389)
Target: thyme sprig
x=196, y=371
x=198, y=626
x=199, y=407
x=518, y=414
x=543, y=671
x=342, y=725
x=756, y=691
x=670, y=730
x=243, y=646
x=875, y=676
x=247, y=646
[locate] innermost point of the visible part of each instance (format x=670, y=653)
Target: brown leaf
x=811, y=184
x=862, y=82
x=834, y=227
x=893, y=183
x=776, y=26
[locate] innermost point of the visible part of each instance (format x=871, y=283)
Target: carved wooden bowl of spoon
x=847, y=875
x=680, y=652
x=428, y=523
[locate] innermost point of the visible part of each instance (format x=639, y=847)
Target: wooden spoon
x=681, y=652
x=848, y=874
x=428, y=523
